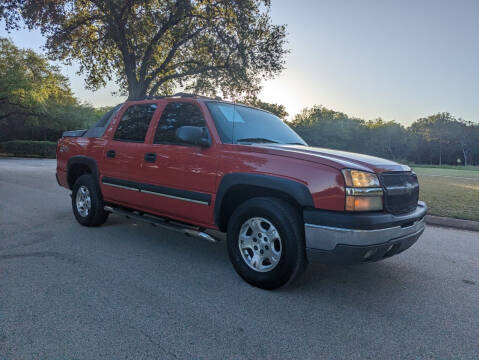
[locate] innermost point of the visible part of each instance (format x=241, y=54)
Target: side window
x=134, y=123
x=98, y=130
x=175, y=115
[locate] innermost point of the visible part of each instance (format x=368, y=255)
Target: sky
x=398, y=60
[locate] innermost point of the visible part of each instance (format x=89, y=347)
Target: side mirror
x=194, y=135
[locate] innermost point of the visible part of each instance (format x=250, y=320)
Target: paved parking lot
x=132, y=291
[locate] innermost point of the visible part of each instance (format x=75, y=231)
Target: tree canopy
x=35, y=98
x=155, y=46
x=443, y=139
x=277, y=109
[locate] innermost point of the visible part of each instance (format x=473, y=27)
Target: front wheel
x=266, y=242
x=87, y=202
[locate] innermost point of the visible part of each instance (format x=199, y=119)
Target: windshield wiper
x=258, y=140
x=295, y=143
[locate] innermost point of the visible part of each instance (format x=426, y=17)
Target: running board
x=161, y=222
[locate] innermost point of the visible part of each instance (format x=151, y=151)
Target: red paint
x=201, y=169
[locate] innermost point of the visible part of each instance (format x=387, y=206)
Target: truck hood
x=334, y=158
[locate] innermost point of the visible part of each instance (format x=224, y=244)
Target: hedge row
x=45, y=149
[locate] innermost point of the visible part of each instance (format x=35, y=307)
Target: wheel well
x=75, y=171
x=238, y=194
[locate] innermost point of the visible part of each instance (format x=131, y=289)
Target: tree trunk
x=464, y=153
x=136, y=91
x=440, y=147
x=440, y=153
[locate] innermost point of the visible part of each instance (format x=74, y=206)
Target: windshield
x=242, y=124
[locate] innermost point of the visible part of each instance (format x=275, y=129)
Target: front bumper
x=344, y=238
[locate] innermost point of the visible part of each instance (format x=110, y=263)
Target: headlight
x=363, y=191
x=356, y=178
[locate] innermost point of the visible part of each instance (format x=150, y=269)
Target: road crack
x=42, y=254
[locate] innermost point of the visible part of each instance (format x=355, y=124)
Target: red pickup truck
x=191, y=164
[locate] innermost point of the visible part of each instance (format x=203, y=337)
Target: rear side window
x=105, y=118
x=134, y=123
x=175, y=115
x=99, y=128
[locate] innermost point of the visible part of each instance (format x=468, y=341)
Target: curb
x=13, y=156
x=452, y=223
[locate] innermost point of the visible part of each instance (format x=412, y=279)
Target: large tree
x=153, y=47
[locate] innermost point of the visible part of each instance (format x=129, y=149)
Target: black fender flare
x=83, y=160
x=298, y=191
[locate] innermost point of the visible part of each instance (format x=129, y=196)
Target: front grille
x=401, y=191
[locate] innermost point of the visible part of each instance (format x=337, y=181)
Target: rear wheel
x=87, y=202
x=266, y=242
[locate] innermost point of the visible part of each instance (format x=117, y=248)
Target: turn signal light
x=364, y=203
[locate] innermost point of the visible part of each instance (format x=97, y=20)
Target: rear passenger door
x=123, y=155
x=181, y=178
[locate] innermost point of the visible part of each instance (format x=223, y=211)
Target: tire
x=284, y=259
x=88, y=212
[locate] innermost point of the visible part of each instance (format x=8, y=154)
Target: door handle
x=110, y=153
x=150, y=157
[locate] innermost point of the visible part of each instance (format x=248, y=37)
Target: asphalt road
x=132, y=291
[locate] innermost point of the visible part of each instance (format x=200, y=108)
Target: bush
x=45, y=149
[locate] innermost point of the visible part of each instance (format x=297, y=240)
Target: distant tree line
x=36, y=103
x=437, y=139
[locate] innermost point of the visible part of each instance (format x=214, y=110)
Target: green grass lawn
x=442, y=167
x=450, y=192
x=447, y=172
